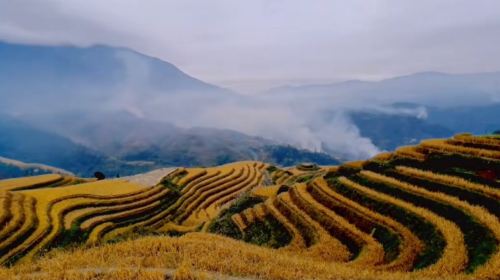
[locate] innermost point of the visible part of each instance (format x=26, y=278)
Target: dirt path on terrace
x=151, y=178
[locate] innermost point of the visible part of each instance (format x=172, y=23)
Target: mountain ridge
x=360, y=81
x=81, y=93
x=186, y=147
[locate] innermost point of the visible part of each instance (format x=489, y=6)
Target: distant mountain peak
x=429, y=73
x=31, y=75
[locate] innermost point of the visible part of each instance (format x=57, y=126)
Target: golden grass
x=326, y=247
x=185, y=272
x=441, y=145
x=113, y=229
x=372, y=252
x=411, y=152
x=354, y=164
x=193, y=173
x=193, y=202
x=93, y=222
x=493, y=143
x=47, y=198
x=5, y=202
x=18, y=216
x=204, y=252
x=383, y=156
x=229, y=185
x=29, y=221
x=297, y=243
x=29, y=182
x=96, y=234
x=254, y=180
x=410, y=245
x=482, y=215
x=316, y=217
x=169, y=227
x=200, y=203
x=94, y=207
x=239, y=222
x=282, y=177
x=249, y=215
x=224, y=177
x=454, y=257
x=205, y=179
x=266, y=192
x=249, y=177
x=123, y=210
x=260, y=211
x=449, y=180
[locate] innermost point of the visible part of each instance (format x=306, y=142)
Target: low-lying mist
x=310, y=117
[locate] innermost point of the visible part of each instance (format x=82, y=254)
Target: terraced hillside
x=429, y=211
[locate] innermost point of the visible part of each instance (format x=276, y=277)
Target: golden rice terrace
x=429, y=211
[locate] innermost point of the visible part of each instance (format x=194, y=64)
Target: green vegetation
x=268, y=233
x=224, y=225
x=480, y=242
x=425, y=231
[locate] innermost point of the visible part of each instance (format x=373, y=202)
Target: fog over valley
x=135, y=97
x=79, y=91
x=225, y=139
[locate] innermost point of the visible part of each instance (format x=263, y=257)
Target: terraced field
x=429, y=211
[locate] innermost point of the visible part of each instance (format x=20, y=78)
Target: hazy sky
x=248, y=45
